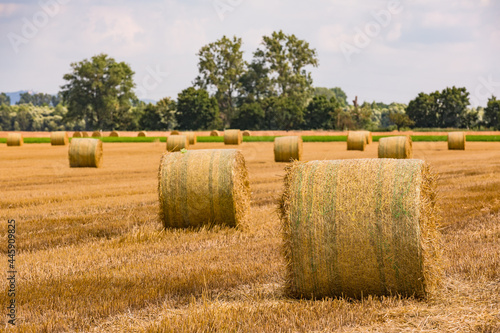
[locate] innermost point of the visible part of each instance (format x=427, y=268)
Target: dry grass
x=93, y=256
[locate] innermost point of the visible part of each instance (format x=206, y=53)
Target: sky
x=385, y=51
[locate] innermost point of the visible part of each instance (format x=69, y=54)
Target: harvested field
x=92, y=255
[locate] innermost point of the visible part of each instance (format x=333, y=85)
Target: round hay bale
x=85, y=153
x=177, y=142
x=456, y=140
x=356, y=140
x=77, y=134
x=246, y=133
x=287, y=148
x=368, y=135
x=203, y=188
x=354, y=228
x=395, y=147
x=215, y=133
x=232, y=137
x=142, y=133
x=85, y=135
x=191, y=137
x=59, y=138
x=174, y=132
x=96, y=134
x=15, y=139
x=114, y=134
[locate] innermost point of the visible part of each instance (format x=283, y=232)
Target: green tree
x=400, y=120
x=160, y=116
x=423, y=110
x=5, y=119
x=282, y=112
x=99, y=91
x=321, y=113
x=491, y=116
x=249, y=116
x=452, y=106
x=336, y=92
x=38, y=99
x=196, y=110
x=221, y=67
x=4, y=99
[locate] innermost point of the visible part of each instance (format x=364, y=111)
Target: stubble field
x=92, y=255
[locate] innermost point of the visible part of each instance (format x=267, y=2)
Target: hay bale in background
x=232, y=137
x=246, y=133
x=142, y=133
x=368, y=135
x=356, y=140
x=96, y=134
x=114, y=134
x=456, y=140
x=191, y=137
x=85, y=135
x=354, y=228
x=203, y=187
x=85, y=153
x=174, y=132
x=395, y=147
x=59, y=138
x=15, y=139
x=214, y=133
x=77, y=134
x=177, y=142
x=287, y=148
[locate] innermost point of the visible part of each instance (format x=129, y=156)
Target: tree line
x=274, y=91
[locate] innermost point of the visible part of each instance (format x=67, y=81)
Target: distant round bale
x=232, y=137
x=246, y=133
x=175, y=132
x=85, y=153
x=287, y=148
x=368, y=135
x=395, y=147
x=85, y=135
x=59, y=138
x=177, y=142
x=142, y=133
x=456, y=140
x=114, y=134
x=15, y=139
x=203, y=188
x=96, y=134
x=191, y=137
x=77, y=134
x=215, y=133
x=356, y=140
x=353, y=228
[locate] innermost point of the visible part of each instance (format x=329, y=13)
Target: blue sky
x=378, y=50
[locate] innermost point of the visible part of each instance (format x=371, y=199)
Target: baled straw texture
x=456, y=140
x=368, y=135
x=85, y=135
x=174, y=132
x=214, y=133
x=114, y=134
x=191, y=137
x=203, y=187
x=59, y=138
x=142, y=133
x=287, y=148
x=356, y=140
x=232, y=137
x=85, y=153
x=77, y=134
x=395, y=147
x=246, y=133
x=96, y=134
x=354, y=228
x=15, y=139
x=177, y=142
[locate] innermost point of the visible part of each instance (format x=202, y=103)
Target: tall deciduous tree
x=336, y=92
x=321, y=113
x=492, y=113
x=98, y=91
x=4, y=99
x=196, y=110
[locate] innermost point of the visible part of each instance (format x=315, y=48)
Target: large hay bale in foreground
x=85, y=153
x=85, y=135
x=395, y=147
x=287, y=148
x=203, y=187
x=215, y=133
x=77, y=134
x=354, y=228
x=232, y=137
x=177, y=142
x=246, y=133
x=174, y=132
x=356, y=140
x=191, y=137
x=142, y=134
x=96, y=134
x=456, y=140
x=15, y=139
x=59, y=138
x=114, y=134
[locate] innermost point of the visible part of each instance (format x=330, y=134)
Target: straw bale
x=15, y=139
x=174, y=132
x=215, y=133
x=85, y=135
x=77, y=134
x=354, y=228
x=232, y=137
x=368, y=135
x=114, y=134
x=96, y=134
x=59, y=138
x=177, y=142
x=395, y=147
x=85, y=153
x=191, y=137
x=142, y=133
x=287, y=148
x=356, y=140
x=246, y=133
x=203, y=188
x=456, y=140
